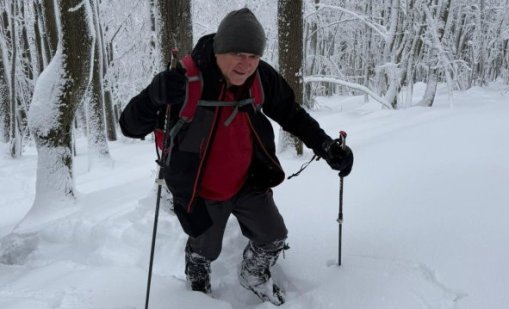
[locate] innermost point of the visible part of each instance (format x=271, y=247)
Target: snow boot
x=255, y=275
x=197, y=272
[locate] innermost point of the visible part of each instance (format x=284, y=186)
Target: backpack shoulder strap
x=256, y=92
x=193, y=89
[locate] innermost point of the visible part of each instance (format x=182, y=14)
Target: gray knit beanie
x=240, y=31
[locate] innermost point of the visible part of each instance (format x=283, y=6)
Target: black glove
x=339, y=158
x=168, y=87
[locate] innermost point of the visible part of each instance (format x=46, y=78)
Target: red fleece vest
x=229, y=156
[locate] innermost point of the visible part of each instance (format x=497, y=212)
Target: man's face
x=237, y=67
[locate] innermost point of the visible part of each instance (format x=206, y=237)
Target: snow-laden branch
x=378, y=28
x=77, y=7
x=328, y=79
x=442, y=54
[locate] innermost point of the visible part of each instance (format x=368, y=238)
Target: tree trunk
x=26, y=80
x=176, y=28
x=431, y=89
x=290, y=33
x=437, y=58
x=14, y=135
x=310, y=60
x=5, y=120
x=369, y=66
x=97, y=144
x=26, y=56
x=44, y=52
x=111, y=132
x=392, y=72
x=153, y=21
x=50, y=33
x=40, y=63
x=51, y=114
x=480, y=67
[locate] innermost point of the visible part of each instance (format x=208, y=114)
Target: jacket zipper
x=261, y=144
x=202, y=160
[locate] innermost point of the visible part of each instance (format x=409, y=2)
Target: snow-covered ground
x=426, y=213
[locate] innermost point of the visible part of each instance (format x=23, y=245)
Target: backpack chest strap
x=235, y=104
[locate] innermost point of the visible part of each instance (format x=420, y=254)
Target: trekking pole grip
x=342, y=137
x=174, y=58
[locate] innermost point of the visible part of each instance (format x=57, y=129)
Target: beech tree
x=57, y=95
x=5, y=118
x=97, y=141
x=49, y=25
x=14, y=132
x=42, y=59
x=176, y=29
x=290, y=36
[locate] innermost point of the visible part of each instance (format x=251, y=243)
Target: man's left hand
x=339, y=157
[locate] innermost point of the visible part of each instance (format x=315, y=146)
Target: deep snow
x=426, y=211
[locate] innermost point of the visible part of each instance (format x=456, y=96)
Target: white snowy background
x=426, y=212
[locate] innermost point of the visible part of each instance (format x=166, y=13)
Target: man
x=223, y=161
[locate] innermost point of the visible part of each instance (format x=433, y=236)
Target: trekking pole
x=160, y=182
x=342, y=136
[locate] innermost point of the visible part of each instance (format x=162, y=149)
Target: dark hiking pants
x=258, y=217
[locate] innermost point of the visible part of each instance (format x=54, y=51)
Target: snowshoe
x=199, y=285
x=262, y=286
x=254, y=273
x=197, y=272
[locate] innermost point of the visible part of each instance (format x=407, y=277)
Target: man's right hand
x=168, y=87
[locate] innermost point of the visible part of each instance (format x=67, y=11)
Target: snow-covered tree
x=386, y=47
x=41, y=59
x=58, y=92
x=14, y=131
x=97, y=140
x=4, y=80
x=109, y=109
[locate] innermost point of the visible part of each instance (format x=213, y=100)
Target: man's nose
x=244, y=60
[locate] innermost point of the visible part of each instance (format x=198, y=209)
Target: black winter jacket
x=139, y=118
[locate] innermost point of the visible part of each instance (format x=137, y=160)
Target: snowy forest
x=380, y=49
x=69, y=67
